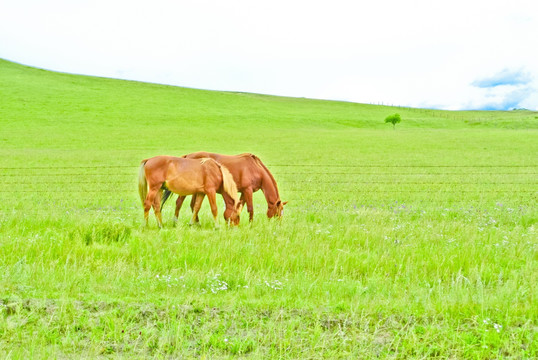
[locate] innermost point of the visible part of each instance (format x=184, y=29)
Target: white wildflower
x=275, y=284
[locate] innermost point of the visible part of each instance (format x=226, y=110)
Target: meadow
x=418, y=242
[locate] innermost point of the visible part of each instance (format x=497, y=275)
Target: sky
x=455, y=55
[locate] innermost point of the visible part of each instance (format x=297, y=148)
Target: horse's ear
x=284, y=203
x=278, y=203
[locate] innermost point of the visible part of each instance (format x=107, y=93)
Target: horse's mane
x=228, y=182
x=262, y=165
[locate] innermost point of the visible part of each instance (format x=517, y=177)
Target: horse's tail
x=166, y=194
x=228, y=183
x=142, y=182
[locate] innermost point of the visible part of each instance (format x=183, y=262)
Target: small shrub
x=393, y=119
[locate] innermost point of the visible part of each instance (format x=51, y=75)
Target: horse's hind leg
x=157, y=207
x=211, y=196
x=197, y=205
x=179, y=203
x=150, y=200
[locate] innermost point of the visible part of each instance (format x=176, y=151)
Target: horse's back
x=164, y=166
x=244, y=168
x=159, y=160
x=183, y=176
x=199, y=155
x=155, y=166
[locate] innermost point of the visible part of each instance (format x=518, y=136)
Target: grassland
x=418, y=242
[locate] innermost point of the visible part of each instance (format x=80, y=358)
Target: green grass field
x=418, y=242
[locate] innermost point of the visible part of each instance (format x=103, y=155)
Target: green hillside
x=48, y=100
x=54, y=111
x=418, y=242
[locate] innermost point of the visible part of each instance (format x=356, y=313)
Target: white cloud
x=505, y=90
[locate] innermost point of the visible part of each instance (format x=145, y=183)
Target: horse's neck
x=269, y=188
x=228, y=201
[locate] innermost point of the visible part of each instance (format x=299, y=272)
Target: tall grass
x=414, y=243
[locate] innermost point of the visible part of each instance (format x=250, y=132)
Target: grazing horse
x=183, y=176
x=250, y=175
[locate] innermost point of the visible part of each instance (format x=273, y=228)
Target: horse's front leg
x=196, y=208
x=212, y=197
x=247, y=193
x=179, y=203
x=193, y=202
x=241, y=203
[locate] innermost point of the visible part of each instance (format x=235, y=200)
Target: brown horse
x=182, y=176
x=250, y=175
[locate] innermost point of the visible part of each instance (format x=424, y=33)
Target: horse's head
x=231, y=214
x=276, y=210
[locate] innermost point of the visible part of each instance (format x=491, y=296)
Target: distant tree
x=393, y=119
